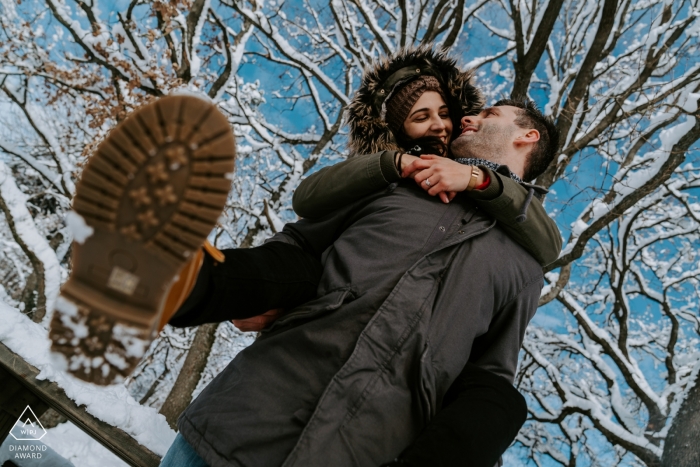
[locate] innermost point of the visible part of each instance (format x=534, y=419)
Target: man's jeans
x=181, y=454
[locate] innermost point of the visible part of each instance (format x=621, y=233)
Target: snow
x=134, y=345
x=672, y=135
x=554, y=97
x=80, y=230
x=260, y=20
x=52, y=177
x=191, y=92
x=195, y=61
x=42, y=454
x=40, y=122
x=73, y=444
x=25, y=228
x=65, y=445
x=113, y=404
x=599, y=208
x=277, y=223
x=578, y=227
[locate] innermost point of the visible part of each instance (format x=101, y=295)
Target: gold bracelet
x=474, y=177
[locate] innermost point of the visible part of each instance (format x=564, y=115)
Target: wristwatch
x=474, y=177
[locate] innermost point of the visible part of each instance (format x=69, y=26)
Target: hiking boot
x=145, y=203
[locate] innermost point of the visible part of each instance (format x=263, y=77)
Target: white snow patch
x=79, y=448
x=134, y=345
x=71, y=319
x=66, y=307
x=80, y=230
x=16, y=202
x=578, y=227
x=600, y=208
x=192, y=93
x=112, y=404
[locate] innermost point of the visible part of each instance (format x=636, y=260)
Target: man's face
x=489, y=135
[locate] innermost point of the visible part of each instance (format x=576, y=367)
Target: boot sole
x=151, y=193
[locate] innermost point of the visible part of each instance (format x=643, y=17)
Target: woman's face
x=429, y=116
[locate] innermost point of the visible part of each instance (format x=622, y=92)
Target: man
x=411, y=290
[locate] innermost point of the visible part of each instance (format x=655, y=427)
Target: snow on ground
x=63, y=446
x=76, y=446
x=112, y=404
x=34, y=454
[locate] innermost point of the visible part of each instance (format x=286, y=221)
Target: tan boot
x=182, y=288
x=146, y=201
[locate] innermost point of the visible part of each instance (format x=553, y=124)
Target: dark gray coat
x=412, y=290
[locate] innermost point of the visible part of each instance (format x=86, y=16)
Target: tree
x=589, y=373
x=679, y=448
x=619, y=78
x=191, y=372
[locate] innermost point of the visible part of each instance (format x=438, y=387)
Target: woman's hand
x=406, y=160
x=257, y=323
x=444, y=176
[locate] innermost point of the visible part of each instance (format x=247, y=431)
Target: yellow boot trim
x=213, y=252
x=182, y=287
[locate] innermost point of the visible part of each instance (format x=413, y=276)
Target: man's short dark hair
x=530, y=117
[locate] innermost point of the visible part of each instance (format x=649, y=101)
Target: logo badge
x=28, y=427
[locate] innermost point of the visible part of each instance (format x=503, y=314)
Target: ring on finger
x=427, y=182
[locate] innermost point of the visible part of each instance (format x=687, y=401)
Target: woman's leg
x=181, y=454
x=250, y=282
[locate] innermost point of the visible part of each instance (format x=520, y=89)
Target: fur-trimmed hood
x=369, y=133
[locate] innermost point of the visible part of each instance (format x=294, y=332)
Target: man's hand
x=257, y=323
x=445, y=177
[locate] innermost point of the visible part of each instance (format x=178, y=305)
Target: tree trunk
x=682, y=447
x=181, y=394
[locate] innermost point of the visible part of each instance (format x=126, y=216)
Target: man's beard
x=491, y=142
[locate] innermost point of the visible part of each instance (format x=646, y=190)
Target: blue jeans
x=181, y=454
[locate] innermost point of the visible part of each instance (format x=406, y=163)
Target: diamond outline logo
x=21, y=426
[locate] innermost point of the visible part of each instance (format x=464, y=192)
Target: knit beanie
x=400, y=103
